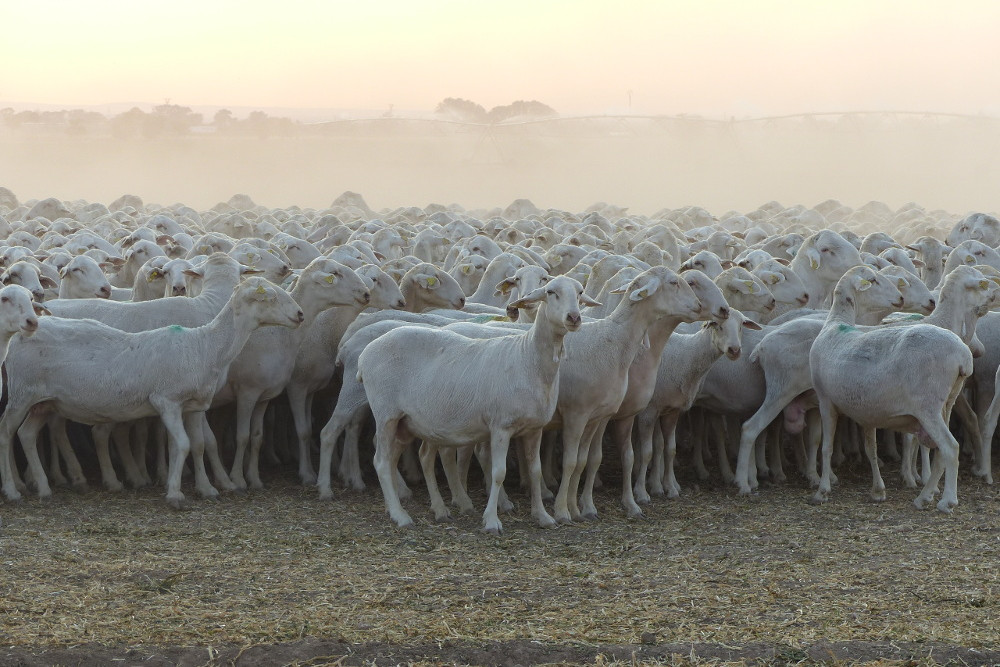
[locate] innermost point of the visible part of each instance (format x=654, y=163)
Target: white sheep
x=428, y=384
x=850, y=367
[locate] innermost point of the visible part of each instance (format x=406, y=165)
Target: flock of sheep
x=169, y=331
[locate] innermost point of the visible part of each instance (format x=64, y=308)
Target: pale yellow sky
x=716, y=57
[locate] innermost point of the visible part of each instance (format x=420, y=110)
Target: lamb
x=403, y=373
x=849, y=367
x=83, y=278
x=823, y=258
x=932, y=254
x=74, y=368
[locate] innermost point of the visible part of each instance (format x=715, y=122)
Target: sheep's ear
x=45, y=281
x=116, y=262
x=984, y=284
x=918, y=263
x=427, y=281
x=534, y=296
x=587, y=301
x=555, y=260
x=466, y=269
x=863, y=284
x=165, y=238
x=751, y=285
x=505, y=286
x=782, y=260
x=248, y=270
x=5, y=278
x=902, y=283
x=750, y=324
x=155, y=274
x=814, y=258
x=770, y=277
x=39, y=308
x=64, y=270
x=726, y=264
x=645, y=291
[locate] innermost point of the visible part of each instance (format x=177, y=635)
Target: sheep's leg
x=102, y=438
x=718, y=428
x=123, y=445
x=828, y=416
x=142, y=427
x=549, y=443
x=871, y=450
x=327, y=444
x=303, y=432
x=459, y=494
x=350, y=462
x=774, y=452
x=970, y=424
x=591, y=464
x=987, y=426
x=945, y=461
x=160, y=437
x=256, y=441
x=908, y=461
x=621, y=435
x=463, y=461
x=9, y=422
x=388, y=449
x=573, y=431
x=699, y=435
x=668, y=426
x=773, y=404
x=212, y=451
x=522, y=468
x=28, y=434
x=484, y=456
x=428, y=459
x=196, y=436
x=57, y=431
x=532, y=444
x=180, y=446
x=925, y=464
x=814, y=424
x=646, y=475
x=499, y=442
x=244, y=413
x=55, y=470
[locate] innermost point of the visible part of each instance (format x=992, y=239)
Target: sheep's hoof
x=444, y=517
x=466, y=508
x=209, y=494
x=406, y=522
x=564, y=519
x=546, y=522
x=325, y=494
x=307, y=479
x=878, y=495
x=920, y=502
x=180, y=504
x=114, y=486
x=946, y=506
x=591, y=515
x=81, y=487
x=493, y=530
x=819, y=498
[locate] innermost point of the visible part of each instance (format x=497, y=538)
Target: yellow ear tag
x=983, y=284
x=970, y=260
x=864, y=284
x=814, y=264
x=204, y=248
x=261, y=290
x=329, y=279
x=750, y=284
x=773, y=279
x=432, y=281
x=901, y=284
x=466, y=269
x=153, y=275
x=643, y=293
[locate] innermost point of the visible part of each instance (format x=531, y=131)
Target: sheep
x=972, y=253
x=932, y=254
x=83, y=278
x=707, y=262
x=820, y=262
x=682, y=369
x=74, y=367
x=137, y=255
x=975, y=226
x=500, y=267
x=264, y=367
x=594, y=374
x=28, y=275
x=849, y=368
x=413, y=389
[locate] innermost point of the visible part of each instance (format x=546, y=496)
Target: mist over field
x=643, y=163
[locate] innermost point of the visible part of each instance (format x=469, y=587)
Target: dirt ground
x=279, y=577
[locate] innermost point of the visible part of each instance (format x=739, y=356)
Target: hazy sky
x=675, y=56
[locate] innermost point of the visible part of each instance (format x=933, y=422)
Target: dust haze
x=646, y=164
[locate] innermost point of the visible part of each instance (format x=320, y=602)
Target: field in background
x=644, y=163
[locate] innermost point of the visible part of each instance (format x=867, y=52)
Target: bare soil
x=280, y=577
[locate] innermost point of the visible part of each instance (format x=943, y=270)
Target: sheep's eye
x=4, y=300
x=675, y=283
x=550, y=292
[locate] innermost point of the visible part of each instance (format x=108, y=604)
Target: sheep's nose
x=367, y=297
x=573, y=319
x=180, y=290
x=300, y=316
x=401, y=303
x=285, y=270
x=461, y=303
x=771, y=304
x=932, y=303
x=38, y=295
x=105, y=292
x=723, y=313
x=733, y=352
x=30, y=323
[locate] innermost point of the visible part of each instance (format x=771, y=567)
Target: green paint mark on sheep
x=176, y=327
x=844, y=328
x=915, y=316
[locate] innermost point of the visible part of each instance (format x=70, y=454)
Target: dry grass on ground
x=710, y=568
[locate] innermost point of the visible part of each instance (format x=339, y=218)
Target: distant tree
x=521, y=109
x=175, y=119
x=459, y=109
x=223, y=118
x=129, y=124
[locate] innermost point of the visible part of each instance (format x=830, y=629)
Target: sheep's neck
x=228, y=333
x=630, y=321
x=545, y=343
x=843, y=310
x=949, y=316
